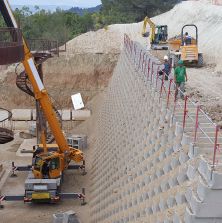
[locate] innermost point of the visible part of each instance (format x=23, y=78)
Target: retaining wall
x=147, y=167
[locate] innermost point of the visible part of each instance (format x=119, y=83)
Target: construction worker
x=187, y=39
x=180, y=77
x=167, y=68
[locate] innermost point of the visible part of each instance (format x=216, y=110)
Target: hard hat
x=165, y=57
x=180, y=62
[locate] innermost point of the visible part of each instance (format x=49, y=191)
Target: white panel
x=10, y=14
x=77, y=101
x=36, y=74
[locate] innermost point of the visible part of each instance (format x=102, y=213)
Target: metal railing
x=11, y=46
x=46, y=46
x=10, y=37
x=195, y=121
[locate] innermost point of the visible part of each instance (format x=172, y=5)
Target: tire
x=200, y=62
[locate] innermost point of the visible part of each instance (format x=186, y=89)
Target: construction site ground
x=73, y=180
x=204, y=86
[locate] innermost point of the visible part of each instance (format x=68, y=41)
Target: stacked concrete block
x=80, y=115
x=146, y=168
x=21, y=114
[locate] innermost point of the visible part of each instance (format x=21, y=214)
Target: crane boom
x=39, y=90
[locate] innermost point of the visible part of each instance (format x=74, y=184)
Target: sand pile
x=88, y=63
x=208, y=19
x=104, y=41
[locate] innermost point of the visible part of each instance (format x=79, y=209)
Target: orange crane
x=49, y=160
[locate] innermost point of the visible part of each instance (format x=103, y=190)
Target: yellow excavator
x=158, y=34
x=49, y=161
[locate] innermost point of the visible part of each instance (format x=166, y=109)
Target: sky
x=75, y=3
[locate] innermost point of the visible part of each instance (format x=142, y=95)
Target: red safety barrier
x=157, y=75
x=185, y=111
x=152, y=72
x=216, y=145
x=148, y=69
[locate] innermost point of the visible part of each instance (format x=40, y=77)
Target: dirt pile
x=85, y=67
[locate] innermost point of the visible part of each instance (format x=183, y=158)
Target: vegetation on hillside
x=82, y=11
x=65, y=25
x=123, y=11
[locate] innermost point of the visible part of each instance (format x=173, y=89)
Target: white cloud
x=75, y=3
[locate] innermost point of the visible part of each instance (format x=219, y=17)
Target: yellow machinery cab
x=47, y=164
x=188, y=52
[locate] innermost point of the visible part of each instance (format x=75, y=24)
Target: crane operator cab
x=161, y=34
x=47, y=165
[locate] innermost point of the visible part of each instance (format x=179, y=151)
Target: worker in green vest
x=180, y=77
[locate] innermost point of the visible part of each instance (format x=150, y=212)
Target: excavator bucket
x=11, y=46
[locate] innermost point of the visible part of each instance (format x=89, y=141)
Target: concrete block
x=193, y=150
x=155, y=208
x=179, y=129
x=80, y=115
x=213, y=178
x=186, y=140
x=70, y=217
x=205, y=209
x=177, y=219
x=169, y=151
x=66, y=115
x=164, y=186
x=162, y=156
x=167, y=221
x=180, y=198
x=167, y=168
x=190, y=217
x=157, y=190
x=162, y=205
x=171, y=201
x=174, y=162
x=173, y=182
x=177, y=147
x=183, y=157
x=191, y=172
x=57, y=218
x=182, y=177
x=206, y=194
x=21, y=114
x=21, y=125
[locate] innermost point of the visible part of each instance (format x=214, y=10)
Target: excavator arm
x=146, y=21
x=40, y=92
